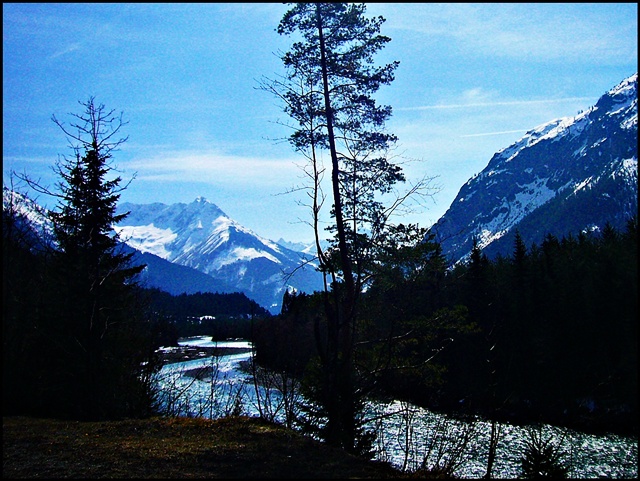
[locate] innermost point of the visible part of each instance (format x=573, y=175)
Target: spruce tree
x=95, y=322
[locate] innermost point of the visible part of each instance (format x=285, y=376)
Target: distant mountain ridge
x=201, y=236
x=566, y=176
x=175, y=278
x=190, y=248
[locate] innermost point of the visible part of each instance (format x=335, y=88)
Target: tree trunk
x=340, y=406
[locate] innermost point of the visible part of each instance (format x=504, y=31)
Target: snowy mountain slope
x=565, y=176
x=176, y=279
x=201, y=236
x=29, y=217
x=35, y=229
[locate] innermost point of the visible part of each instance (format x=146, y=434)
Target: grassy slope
x=236, y=447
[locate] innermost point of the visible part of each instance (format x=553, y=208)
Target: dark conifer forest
x=557, y=331
x=40, y=375
x=546, y=334
x=80, y=335
x=219, y=315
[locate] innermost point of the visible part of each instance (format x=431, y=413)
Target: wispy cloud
x=485, y=134
x=64, y=51
x=525, y=31
x=493, y=104
x=214, y=167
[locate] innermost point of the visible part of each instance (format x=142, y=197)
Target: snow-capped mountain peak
x=564, y=176
x=192, y=248
x=201, y=236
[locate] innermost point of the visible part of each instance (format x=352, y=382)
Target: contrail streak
x=494, y=133
x=494, y=104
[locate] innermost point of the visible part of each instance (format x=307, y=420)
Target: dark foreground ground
x=170, y=448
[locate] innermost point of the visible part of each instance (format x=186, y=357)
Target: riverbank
x=620, y=424
x=174, y=448
x=590, y=456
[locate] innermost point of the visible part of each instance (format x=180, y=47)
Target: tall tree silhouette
x=328, y=92
x=94, y=320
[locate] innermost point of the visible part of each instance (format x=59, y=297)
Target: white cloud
x=524, y=31
x=214, y=167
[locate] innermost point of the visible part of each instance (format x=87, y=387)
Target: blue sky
x=473, y=78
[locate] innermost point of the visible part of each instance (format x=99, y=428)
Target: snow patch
x=147, y=238
x=626, y=87
x=530, y=138
x=243, y=254
x=631, y=122
x=631, y=165
x=581, y=185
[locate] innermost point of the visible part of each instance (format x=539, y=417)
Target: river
x=215, y=387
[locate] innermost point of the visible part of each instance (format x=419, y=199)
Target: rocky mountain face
x=564, y=177
x=202, y=237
